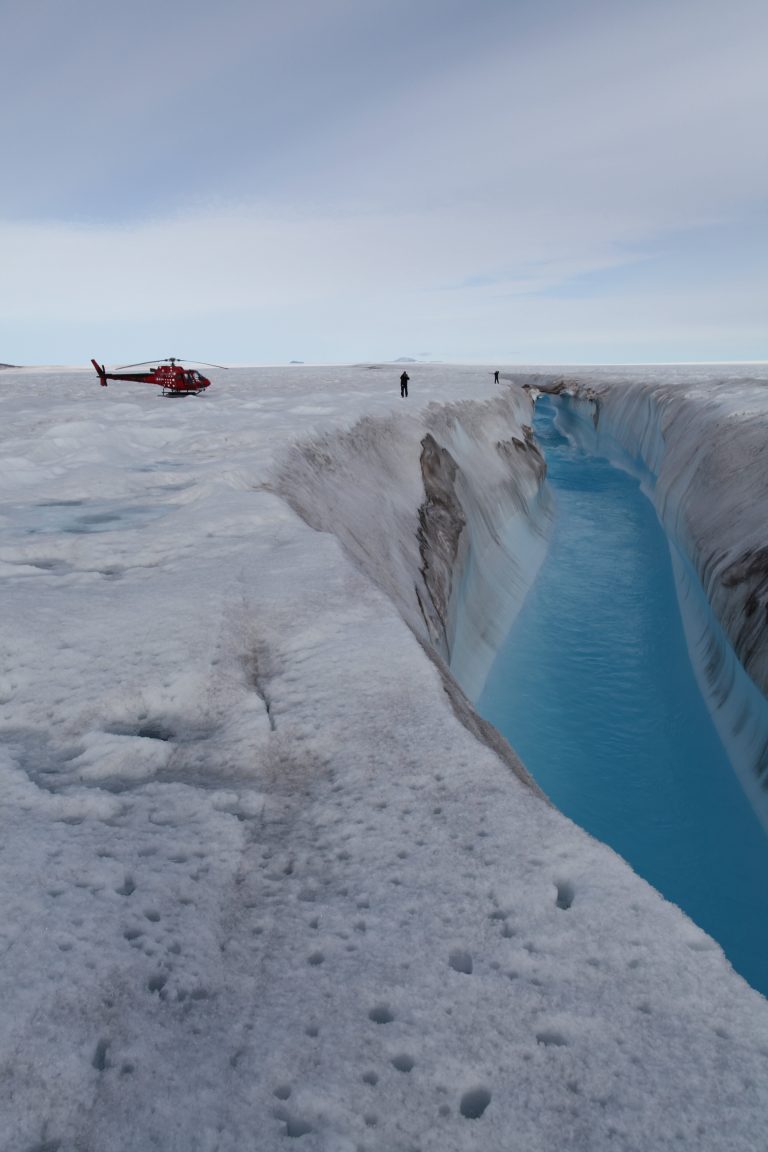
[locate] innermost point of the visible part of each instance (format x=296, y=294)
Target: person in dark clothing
x=404, y=384
x=496, y=376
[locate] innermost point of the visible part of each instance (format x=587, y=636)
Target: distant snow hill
x=405, y=360
x=7, y=365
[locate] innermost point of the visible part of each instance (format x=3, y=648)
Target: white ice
x=261, y=878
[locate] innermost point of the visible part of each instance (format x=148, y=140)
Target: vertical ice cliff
x=698, y=448
x=462, y=515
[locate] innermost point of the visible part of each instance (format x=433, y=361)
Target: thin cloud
x=388, y=171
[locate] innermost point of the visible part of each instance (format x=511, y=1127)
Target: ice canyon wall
x=446, y=510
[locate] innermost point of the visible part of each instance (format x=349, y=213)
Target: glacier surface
x=265, y=875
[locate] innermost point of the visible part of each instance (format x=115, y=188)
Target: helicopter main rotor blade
x=143, y=364
x=205, y=362
x=169, y=360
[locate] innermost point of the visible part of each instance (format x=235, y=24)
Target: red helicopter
x=173, y=378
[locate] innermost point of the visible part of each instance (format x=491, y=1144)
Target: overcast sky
x=507, y=181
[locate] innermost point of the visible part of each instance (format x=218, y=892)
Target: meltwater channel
x=594, y=689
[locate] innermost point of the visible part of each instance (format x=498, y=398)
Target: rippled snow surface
x=595, y=690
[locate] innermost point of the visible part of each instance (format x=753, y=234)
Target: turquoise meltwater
x=595, y=691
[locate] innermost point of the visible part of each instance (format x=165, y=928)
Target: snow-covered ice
x=264, y=875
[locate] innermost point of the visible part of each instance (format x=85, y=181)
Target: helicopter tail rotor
x=101, y=372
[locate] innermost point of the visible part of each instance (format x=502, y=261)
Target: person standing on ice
x=404, y=384
x=496, y=376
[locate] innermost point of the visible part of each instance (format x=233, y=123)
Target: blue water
x=595, y=690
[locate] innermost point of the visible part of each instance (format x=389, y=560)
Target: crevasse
x=463, y=515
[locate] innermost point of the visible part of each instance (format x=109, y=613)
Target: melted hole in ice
x=146, y=732
x=99, y=1061
x=461, y=961
x=565, y=894
x=381, y=1014
x=148, y=729
x=550, y=1037
x=295, y=1127
x=155, y=732
x=474, y=1103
